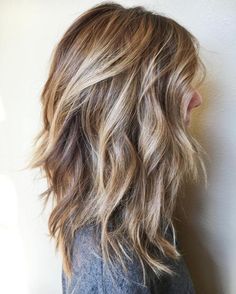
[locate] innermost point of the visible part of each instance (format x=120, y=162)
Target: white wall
x=28, y=32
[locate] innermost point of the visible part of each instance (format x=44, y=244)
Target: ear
x=195, y=101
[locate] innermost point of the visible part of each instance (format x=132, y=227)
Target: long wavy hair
x=114, y=146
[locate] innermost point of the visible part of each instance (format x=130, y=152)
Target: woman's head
x=114, y=145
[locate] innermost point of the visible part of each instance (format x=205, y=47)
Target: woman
x=115, y=148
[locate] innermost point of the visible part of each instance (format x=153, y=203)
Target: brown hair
x=114, y=144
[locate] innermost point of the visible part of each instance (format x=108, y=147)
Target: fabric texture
x=91, y=275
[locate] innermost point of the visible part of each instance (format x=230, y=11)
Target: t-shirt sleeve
x=91, y=275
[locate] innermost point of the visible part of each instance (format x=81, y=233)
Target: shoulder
x=91, y=275
x=86, y=264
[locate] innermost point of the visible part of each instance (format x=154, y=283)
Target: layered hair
x=114, y=146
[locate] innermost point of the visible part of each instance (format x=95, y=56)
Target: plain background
x=28, y=32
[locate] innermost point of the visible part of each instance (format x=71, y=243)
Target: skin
x=194, y=102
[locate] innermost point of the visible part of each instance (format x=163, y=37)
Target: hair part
x=114, y=147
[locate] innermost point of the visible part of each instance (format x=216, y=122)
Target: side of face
x=194, y=102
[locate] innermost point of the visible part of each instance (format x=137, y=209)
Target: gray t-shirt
x=90, y=275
